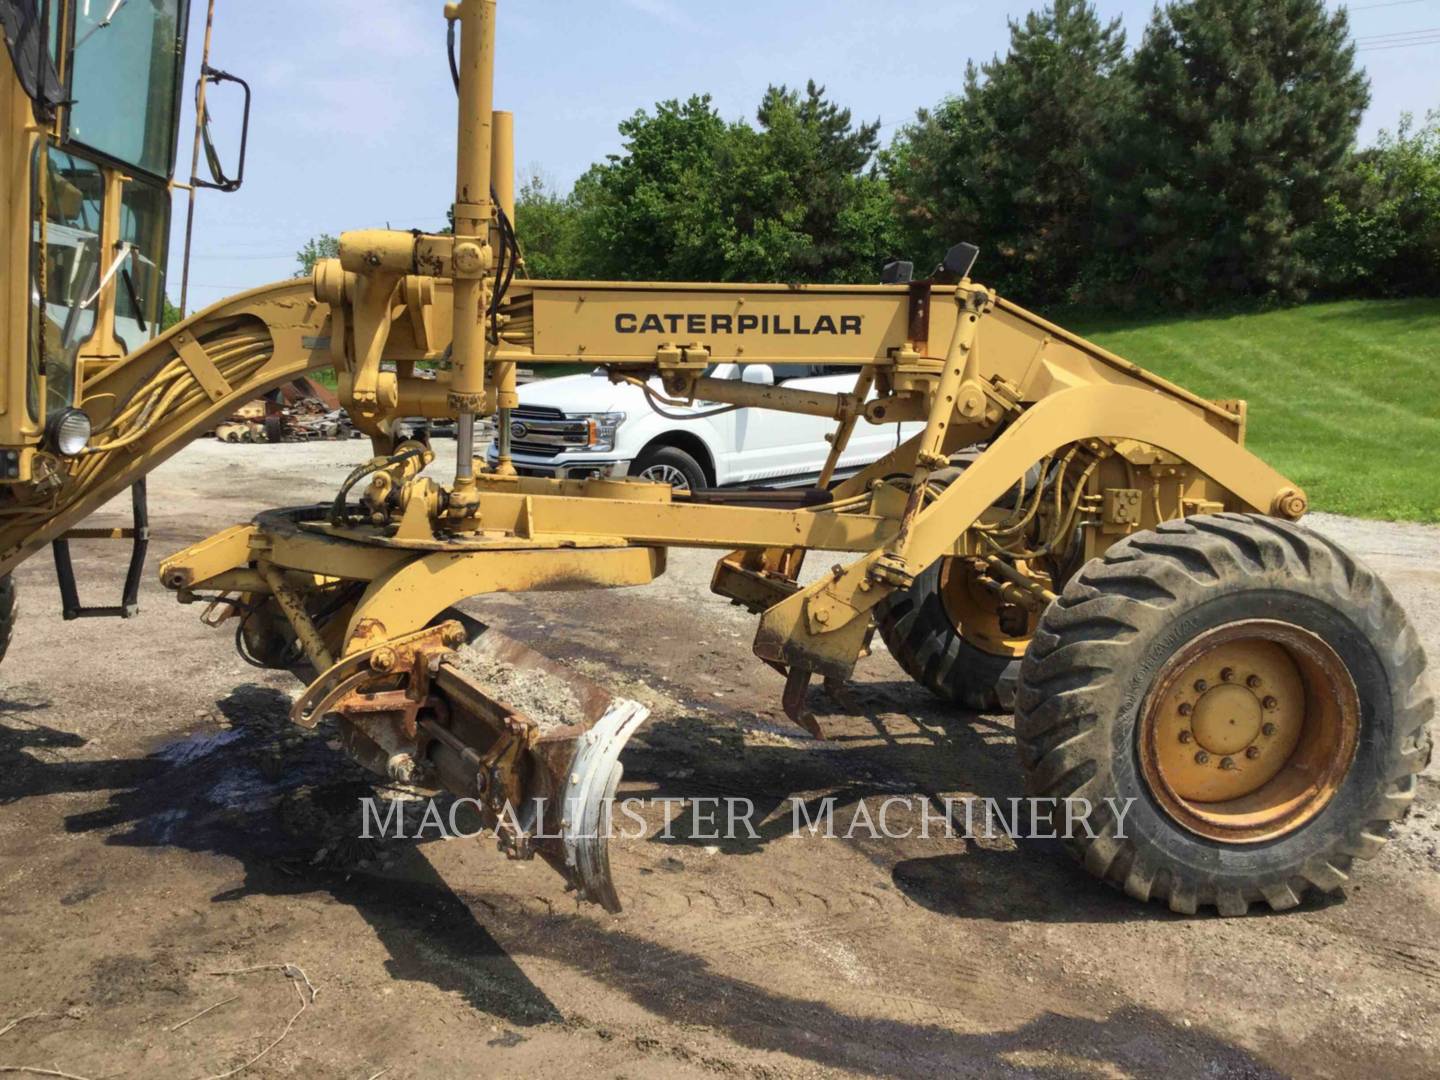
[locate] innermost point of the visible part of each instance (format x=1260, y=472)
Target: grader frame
x=1081, y=449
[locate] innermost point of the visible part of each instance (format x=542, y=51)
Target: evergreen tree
x=695, y=198
x=836, y=203
x=1012, y=164
x=1248, y=111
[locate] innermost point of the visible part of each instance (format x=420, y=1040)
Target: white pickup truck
x=576, y=426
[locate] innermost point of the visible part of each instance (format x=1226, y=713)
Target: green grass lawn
x=1344, y=397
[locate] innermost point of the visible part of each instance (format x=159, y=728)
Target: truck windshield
x=125, y=74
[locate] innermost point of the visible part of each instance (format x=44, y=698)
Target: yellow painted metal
x=684, y=524
x=974, y=610
x=199, y=563
x=797, y=630
x=103, y=345
x=473, y=205
x=292, y=601
x=1248, y=731
x=150, y=405
x=18, y=138
x=502, y=179
x=412, y=594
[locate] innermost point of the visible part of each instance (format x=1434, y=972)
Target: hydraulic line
x=238, y=353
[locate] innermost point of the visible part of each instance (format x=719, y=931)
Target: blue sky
x=354, y=115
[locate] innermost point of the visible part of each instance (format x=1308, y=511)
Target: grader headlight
x=68, y=431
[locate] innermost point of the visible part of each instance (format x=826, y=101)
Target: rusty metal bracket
x=408, y=655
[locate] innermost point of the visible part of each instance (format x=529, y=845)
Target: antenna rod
x=195, y=159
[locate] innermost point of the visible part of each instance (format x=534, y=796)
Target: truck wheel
x=1248, y=689
x=945, y=632
x=9, y=612
x=669, y=465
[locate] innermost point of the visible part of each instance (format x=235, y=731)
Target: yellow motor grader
x=1068, y=534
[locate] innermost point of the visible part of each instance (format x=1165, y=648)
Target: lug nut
x=1200, y=685
x=1252, y=752
x=1227, y=763
x=1202, y=758
x=1226, y=674
x=1184, y=709
x=1267, y=729
x=1270, y=703
x=1253, y=681
x=1185, y=736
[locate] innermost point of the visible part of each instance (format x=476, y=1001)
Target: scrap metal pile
x=300, y=411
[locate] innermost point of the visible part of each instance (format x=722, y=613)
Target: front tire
x=9, y=612
x=925, y=637
x=944, y=630
x=669, y=465
x=1252, y=692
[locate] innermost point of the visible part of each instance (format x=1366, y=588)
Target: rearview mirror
x=221, y=178
x=759, y=375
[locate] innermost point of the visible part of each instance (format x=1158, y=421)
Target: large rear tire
x=1250, y=690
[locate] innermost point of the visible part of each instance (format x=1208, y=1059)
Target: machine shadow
x=284, y=804
x=681, y=987
x=27, y=776
x=947, y=752
x=286, y=807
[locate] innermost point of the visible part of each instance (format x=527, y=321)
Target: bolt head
x=1185, y=736
x=1226, y=674
x=1268, y=729
x=1185, y=708
x=1227, y=763
x=1270, y=703
x=1202, y=758
x=1252, y=681
x=1252, y=752
x=1200, y=686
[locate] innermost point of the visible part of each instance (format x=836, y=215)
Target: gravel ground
x=162, y=822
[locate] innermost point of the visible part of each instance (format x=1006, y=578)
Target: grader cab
x=1069, y=535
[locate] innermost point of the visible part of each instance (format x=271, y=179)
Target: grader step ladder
x=1069, y=532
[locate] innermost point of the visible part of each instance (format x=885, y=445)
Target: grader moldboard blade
x=464, y=708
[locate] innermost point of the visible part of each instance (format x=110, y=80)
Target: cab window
x=74, y=206
x=125, y=71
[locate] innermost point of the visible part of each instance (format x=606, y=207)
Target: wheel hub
x=1248, y=730
x=1226, y=719
x=976, y=614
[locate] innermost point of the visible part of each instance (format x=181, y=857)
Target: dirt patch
x=542, y=696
